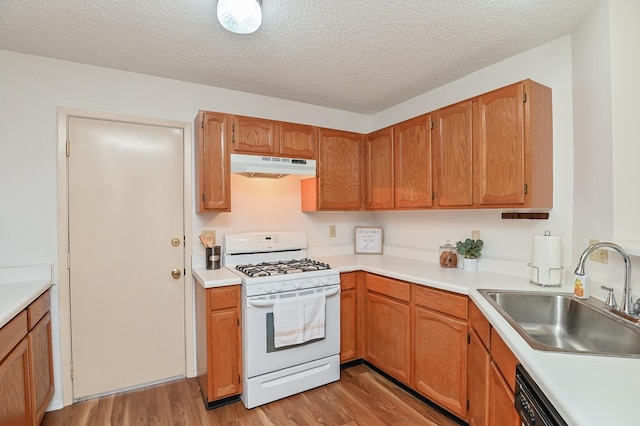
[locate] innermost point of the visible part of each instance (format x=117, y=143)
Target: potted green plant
x=470, y=249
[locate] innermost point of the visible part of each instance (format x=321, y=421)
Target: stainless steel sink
x=563, y=323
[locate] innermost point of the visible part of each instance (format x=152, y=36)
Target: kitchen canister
x=546, y=260
x=212, y=257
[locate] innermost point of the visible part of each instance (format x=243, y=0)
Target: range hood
x=271, y=167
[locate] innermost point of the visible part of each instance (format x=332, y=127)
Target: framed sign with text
x=368, y=239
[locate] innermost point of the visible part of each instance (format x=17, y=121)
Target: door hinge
x=203, y=196
x=467, y=405
x=431, y=125
x=71, y=371
x=68, y=148
x=468, y=338
x=238, y=319
x=524, y=96
x=433, y=195
x=238, y=378
x=68, y=260
x=202, y=124
x=184, y=272
x=233, y=133
x=526, y=188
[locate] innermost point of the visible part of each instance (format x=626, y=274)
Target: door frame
x=63, y=239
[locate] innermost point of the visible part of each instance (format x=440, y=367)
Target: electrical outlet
x=332, y=231
x=475, y=235
x=599, y=255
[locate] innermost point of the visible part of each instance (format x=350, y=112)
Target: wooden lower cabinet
x=348, y=318
x=501, y=408
x=491, y=375
x=15, y=407
x=479, y=365
x=440, y=359
x=218, y=340
x=40, y=367
x=26, y=366
x=388, y=327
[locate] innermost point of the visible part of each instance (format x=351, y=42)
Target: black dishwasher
x=532, y=405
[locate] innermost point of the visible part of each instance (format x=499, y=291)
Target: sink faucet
x=627, y=303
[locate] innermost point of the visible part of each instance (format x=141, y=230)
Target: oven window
x=270, y=337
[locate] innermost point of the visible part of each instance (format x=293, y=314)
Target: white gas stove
x=277, y=276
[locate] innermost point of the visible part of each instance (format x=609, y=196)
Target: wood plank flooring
x=361, y=397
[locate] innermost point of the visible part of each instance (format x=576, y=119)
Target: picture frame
x=368, y=239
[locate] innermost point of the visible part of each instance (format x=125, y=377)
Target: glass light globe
x=240, y=16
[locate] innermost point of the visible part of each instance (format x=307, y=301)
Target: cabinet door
x=224, y=353
x=388, y=336
x=41, y=367
x=252, y=135
x=453, y=153
x=298, y=140
x=15, y=408
x=501, y=401
x=348, y=326
x=412, y=158
x=500, y=146
x=440, y=359
x=212, y=163
x=339, y=170
x=478, y=377
x=379, y=167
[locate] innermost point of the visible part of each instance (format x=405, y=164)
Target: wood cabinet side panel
x=202, y=344
x=348, y=326
x=224, y=354
x=538, y=145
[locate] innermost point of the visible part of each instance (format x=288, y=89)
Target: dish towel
x=299, y=320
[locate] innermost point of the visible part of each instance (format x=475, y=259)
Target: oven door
x=260, y=354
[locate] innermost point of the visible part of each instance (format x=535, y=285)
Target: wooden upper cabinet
x=297, y=140
x=253, y=135
x=453, y=155
x=379, y=169
x=412, y=163
x=339, y=168
x=212, y=163
x=513, y=137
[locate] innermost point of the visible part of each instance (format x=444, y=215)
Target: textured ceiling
x=356, y=55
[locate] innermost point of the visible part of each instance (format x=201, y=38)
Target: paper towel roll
x=546, y=260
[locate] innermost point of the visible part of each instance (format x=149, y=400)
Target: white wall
x=507, y=242
x=625, y=93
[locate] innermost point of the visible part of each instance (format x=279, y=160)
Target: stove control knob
x=268, y=289
x=317, y=282
x=297, y=285
x=279, y=287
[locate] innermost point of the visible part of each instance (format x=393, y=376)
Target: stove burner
x=265, y=269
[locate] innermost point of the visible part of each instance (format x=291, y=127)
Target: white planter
x=470, y=264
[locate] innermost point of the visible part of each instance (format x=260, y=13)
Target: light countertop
x=585, y=389
x=19, y=287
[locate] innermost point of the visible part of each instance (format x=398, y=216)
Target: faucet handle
x=611, y=298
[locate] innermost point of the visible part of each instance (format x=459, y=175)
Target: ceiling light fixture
x=240, y=16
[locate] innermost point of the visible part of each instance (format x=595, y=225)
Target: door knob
x=175, y=242
x=176, y=273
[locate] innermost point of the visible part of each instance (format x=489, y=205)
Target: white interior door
x=125, y=195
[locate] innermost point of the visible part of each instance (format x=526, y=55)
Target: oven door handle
x=263, y=303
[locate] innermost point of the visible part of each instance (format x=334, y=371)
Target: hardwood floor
x=361, y=397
